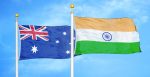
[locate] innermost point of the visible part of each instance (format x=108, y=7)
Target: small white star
x=67, y=51
x=34, y=49
x=57, y=41
x=64, y=33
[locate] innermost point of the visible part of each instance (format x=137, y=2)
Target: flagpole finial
x=17, y=15
x=71, y=6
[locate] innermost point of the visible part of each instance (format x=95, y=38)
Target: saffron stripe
x=116, y=24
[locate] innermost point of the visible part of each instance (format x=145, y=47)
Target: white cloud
x=59, y=14
x=111, y=8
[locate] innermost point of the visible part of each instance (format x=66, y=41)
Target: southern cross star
x=67, y=51
x=57, y=41
x=64, y=33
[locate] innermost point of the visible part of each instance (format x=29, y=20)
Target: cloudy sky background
x=57, y=13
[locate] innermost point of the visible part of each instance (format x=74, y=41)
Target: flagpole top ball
x=17, y=15
x=72, y=6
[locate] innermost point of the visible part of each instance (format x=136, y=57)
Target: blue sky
x=57, y=12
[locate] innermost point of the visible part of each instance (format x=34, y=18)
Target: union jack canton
x=34, y=33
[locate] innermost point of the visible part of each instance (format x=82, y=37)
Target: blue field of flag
x=44, y=42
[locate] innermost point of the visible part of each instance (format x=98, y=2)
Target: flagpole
x=17, y=73
x=72, y=42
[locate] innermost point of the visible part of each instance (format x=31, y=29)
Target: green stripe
x=88, y=47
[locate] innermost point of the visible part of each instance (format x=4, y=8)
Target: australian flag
x=44, y=42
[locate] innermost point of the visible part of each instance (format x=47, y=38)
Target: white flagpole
x=72, y=42
x=17, y=74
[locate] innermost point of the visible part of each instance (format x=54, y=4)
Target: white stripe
x=96, y=35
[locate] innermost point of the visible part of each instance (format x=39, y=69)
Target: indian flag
x=112, y=36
